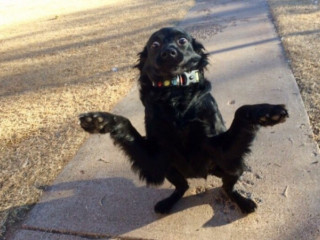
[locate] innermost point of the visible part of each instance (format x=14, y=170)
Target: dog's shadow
x=223, y=210
x=118, y=205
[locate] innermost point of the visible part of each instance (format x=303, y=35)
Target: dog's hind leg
x=229, y=148
x=245, y=204
x=181, y=184
x=233, y=144
x=141, y=151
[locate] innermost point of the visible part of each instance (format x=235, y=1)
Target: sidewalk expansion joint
x=80, y=234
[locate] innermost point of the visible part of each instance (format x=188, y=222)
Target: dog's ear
x=142, y=58
x=197, y=46
x=199, y=49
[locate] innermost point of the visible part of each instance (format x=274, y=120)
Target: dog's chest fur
x=178, y=120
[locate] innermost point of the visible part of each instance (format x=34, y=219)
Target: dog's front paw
x=97, y=122
x=264, y=114
x=270, y=115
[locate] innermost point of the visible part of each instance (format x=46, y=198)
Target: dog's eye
x=155, y=44
x=182, y=41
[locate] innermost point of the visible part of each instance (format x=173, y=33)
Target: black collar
x=183, y=79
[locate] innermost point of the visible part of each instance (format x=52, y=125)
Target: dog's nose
x=169, y=52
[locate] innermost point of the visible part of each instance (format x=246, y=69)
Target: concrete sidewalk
x=97, y=195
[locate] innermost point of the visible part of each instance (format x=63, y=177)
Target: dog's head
x=170, y=52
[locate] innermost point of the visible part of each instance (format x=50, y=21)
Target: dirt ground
x=61, y=58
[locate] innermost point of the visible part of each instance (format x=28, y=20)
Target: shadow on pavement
x=115, y=206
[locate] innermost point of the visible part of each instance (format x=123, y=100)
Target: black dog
x=185, y=133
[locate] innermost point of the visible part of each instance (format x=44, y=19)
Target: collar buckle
x=190, y=77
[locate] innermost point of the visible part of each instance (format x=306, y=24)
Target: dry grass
x=298, y=23
x=56, y=61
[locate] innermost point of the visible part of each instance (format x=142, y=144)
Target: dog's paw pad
x=276, y=114
x=276, y=117
x=96, y=122
x=264, y=119
x=88, y=119
x=268, y=115
x=100, y=119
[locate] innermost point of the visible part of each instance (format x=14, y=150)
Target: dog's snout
x=169, y=52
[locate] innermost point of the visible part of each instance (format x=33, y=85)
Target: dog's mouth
x=173, y=68
x=166, y=69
